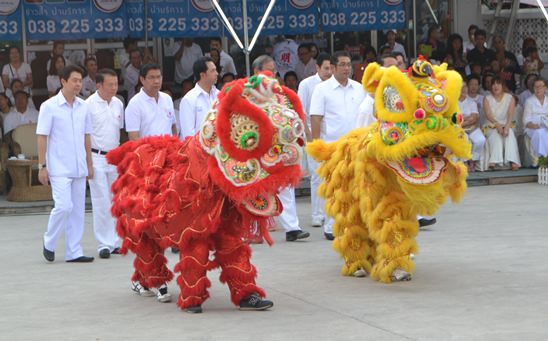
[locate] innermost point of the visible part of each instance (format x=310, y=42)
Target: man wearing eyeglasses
x=334, y=108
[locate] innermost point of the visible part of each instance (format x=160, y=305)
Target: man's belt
x=97, y=151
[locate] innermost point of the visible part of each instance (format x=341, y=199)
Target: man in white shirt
x=150, y=112
x=286, y=55
x=393, y=44
x=288, y=218
x=306, y=66
x=470, y=114
x=107, y=118
x=88, y=84
x=226, y=62
x=306, y=87
x=197, y=102
x=21, y=113
x=64, y=157
x=188, y=53
x=334, y=108
x=132, y=72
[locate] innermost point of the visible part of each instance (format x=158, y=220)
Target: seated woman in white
x=470, y=113
x=499, y=110
x=535, y=118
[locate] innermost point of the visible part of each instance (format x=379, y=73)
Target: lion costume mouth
x=425, y=168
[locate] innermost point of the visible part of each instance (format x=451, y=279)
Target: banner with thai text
x=74, y=19
x=362, y=15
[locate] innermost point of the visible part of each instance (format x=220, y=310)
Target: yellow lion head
x=419, y=124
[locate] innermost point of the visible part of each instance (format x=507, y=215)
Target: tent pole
x=246, y=39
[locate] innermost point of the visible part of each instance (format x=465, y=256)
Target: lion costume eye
x=244, y=132
x=392, y=100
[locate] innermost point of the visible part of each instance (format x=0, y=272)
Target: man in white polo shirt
x=306, y=88
x=64, y=156
x=334, y=108
x=150, y=113
x=197, y=102
x=107, y=118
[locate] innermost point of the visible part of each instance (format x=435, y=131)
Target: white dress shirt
x=338, y=105
x=306, y=87
x=184, y=66
x=88, y=86
x=106, y=119
x=468, y=107
x=305, y=71
x=53, y=83
x=131, y=79
x=65, y=126
x=14, y=119
x=194, y=107
x=366, y=112
x=150, y=117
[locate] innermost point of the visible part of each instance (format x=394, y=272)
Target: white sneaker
x=359, y=273
x=141, y=290
x=400, y=275
x=163, y=296
x=317, y=222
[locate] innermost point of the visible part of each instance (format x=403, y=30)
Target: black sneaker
x=197, y=309
x=104, y=253
x=48, y=255
x=423, y=222
x=328, y=236
x=255, y=302
x=292, y=236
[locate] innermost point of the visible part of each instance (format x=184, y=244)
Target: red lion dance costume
x=210, y=192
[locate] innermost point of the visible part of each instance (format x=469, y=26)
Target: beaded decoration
x=393, y=133
x=265, y=93
x=392, y=100
x=265, y=206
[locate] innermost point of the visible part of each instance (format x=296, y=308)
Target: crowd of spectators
x=500, y=83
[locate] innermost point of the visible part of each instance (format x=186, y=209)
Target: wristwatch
x=40, y=166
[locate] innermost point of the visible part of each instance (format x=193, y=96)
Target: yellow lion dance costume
x=377, y=179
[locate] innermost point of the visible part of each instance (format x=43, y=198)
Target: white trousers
x=539, y=140
x=288, y=219
x=104, y=224
x=502, y=150
x=477, y=139
x=318, y=212
x=67, y=215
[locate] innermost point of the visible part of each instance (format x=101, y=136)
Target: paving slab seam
x=343, y=314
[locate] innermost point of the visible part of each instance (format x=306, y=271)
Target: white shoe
x=400, y=275
x=163, y=296
x=359, y=273
x=141, y=290
x=317, y=222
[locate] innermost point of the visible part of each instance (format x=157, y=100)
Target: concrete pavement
x=481, y=275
